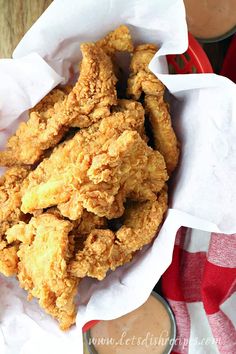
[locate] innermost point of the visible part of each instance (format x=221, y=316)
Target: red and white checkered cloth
x=200, y=286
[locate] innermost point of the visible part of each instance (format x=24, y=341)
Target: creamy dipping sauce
x=143, y=331
x=210, y=18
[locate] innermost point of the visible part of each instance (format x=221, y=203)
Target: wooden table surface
x=16, y=17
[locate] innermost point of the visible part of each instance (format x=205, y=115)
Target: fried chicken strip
x=42, y=267
x=142, y=80
x=104, y=172
x=95, y=91
x=104, y=249
x=164, y=136
x=39, y=133
x=111, y=164
x=89, y=100
x=141, y=222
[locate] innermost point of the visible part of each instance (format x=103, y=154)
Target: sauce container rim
x=218, y=38
x=173, y=329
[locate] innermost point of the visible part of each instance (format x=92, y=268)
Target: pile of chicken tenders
x=85, y=185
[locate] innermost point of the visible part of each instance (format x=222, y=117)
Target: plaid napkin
x=200, y=286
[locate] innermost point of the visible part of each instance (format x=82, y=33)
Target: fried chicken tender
x=165, y=139
x=95, y=91
x=9, y=260
x=109, y=167
x=78, y=151
x=36, y=135
x=104, y=249
x=10, y=199
x=118, y=40
x=88, y=101
x=142, y=80
x=42, y=267
x=141, y=222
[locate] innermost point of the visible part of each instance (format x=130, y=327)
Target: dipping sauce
x=208, y=19
x=147, y=330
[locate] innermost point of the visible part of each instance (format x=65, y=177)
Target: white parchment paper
x=203, y=195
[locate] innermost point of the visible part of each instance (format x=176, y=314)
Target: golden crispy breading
x=73, y=208
x=3, y=244
x=70, y=167
x=141, y=222
x=95, y=91
x=141, y=78
x=36, y=135
x=118, y=40
x=10, y=198
x=89, y=222
x=21, y=232
x=130, y=115
x=8, y=260
x=56, y=212
x=104, y=249
x=42, y=268
x=81, y=226
x=89, y=100
x=142, y=56
x=144, y=82
x=165, y=139
x=100, y=253
x=131, y=105
x=46, y=105
x=107, y=128
x=105, y=171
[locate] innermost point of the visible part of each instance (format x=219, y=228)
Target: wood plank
x=16, y=17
